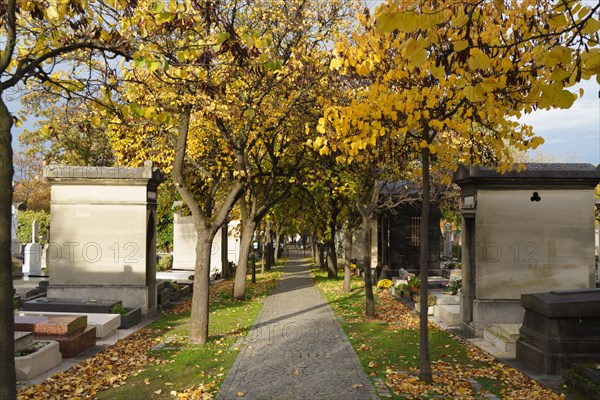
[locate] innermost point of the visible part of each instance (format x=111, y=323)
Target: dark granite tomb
x=70, y=305
x=559, y=328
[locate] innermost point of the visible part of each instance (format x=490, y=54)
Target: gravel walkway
x=296, y=349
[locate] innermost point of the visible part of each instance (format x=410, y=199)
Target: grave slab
x=70, y=331
x=70, y=305
x=72, y=345
x=105, y=324
x=51, y=324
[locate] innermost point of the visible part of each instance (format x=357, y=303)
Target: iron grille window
x=415, y=231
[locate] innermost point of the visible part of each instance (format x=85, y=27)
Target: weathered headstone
x=184, y=245
x=103, y=234
x=32, y=265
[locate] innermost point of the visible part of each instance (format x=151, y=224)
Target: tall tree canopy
x=449, y=79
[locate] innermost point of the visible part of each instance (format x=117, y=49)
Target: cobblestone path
x=296, y=349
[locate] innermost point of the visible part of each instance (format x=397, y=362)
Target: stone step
x=503, y=337
x=446, y=299
x=449, y=313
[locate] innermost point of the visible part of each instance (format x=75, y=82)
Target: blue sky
x=571, y=135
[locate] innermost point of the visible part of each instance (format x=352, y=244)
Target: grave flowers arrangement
x=454, y=284
x=413, y=281
x=385, y=284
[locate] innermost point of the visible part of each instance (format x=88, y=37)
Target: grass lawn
x=136, y=368
x=180, y=366
x=388, y=348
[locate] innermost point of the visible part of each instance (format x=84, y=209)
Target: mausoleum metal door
x=383, y=243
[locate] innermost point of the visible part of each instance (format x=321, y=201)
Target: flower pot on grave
x=412, y=291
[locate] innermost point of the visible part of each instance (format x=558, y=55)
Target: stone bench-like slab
x=449, y=313
x=446, y=299
x=105, y=324
x=50, y=324
x=503, y=336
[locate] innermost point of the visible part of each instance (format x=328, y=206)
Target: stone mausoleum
x=524, y=232
x=103, y=234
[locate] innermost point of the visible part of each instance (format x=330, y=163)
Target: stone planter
x=430, y=309
x=133, y=316
x=185, y=290
x=44, y=359
x=174, y=295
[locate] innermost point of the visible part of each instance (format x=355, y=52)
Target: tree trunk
x=277, y=253
x=370, y=299
x=8, y=387
x=225, y=272
x=269, y=252
x=200, y=306
x=321, y=247
x=206, y=228
x=425, y=373
x=332, y=268
x=347, y=260
x=239, y=283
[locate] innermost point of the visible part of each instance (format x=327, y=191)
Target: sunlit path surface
x=296, y=349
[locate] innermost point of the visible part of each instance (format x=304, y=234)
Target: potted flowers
x=453, y=285
x=384, y=285
x=414, y=283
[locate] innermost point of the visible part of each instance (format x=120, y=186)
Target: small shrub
x=414, y=281
x=165, y=263
x=118, y=309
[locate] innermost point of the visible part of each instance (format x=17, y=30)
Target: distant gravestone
x=32, y=264
x=447, y=240
x=184, y=245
